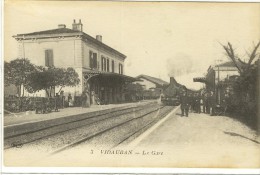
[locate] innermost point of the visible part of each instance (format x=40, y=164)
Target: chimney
x=172, y=80
x=61, y=26
x=77, y=26
x=99, y=38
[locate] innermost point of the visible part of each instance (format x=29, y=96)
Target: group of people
x=62, y=101
x=197, y=103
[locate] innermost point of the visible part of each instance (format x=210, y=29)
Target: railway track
x=122, y=133
x=31, y=136
x=124, y=125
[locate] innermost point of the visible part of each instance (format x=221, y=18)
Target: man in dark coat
x=212, y=103
x=207, y=103
x=197, y=103
x=185, y=104
x=84, y=98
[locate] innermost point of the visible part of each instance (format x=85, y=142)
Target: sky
x=160, y=39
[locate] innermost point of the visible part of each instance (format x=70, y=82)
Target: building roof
x=51, y=32
x=153, y=79
x=67, y=32
x=227, y=64
x=231, y=64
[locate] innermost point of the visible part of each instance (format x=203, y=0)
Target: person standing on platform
x=201, y=102
x=62, y=99
x=197, y=103
x=84, y=99
x=204, y=102
x=207, y=103
x=212, y=103
x=70, y=100
x=57, y=102
x=225, y=103
x=193, y=102
x=185, y=104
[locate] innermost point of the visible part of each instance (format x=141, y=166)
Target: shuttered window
x=49, y=58
x=107, y=65
x=92, y=60
x=113, y=66
x=102, y=63
x=120, y=68
x=95, y=60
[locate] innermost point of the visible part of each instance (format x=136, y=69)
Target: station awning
x=108, y=75
x=200, y=79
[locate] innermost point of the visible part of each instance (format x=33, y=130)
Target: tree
x=245, y=86
x=242, y=66
x=7, y=73
x=68, y=77
x=16, y=72
x=47, y=78
x=41, y=79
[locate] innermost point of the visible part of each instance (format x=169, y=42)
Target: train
x=171, y=93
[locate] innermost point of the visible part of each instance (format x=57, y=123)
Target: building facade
x=216, y=75
x=100, y=67
x=152, y=86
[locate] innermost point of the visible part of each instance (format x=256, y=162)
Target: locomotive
x=171, y=93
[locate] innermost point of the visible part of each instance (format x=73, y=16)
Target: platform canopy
x=200, y=79
x=108, y=76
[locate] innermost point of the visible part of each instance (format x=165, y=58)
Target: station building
x=100, y=67
x=216, y=75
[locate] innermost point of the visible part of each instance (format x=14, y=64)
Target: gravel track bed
x=33, y=136
x=116, y=135
x=131, y=136
x=56, y=141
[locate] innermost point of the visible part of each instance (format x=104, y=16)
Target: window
x=120, y=68
x=49, y=58
x=107, y=65
x=102, y=63
x=95, y=60
x=113, y=66
x=92, y=60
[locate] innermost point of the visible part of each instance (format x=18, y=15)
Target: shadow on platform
x=238, y=135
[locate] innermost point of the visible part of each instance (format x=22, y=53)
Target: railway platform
x=201, y=140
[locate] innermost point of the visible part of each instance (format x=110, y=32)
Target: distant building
x=100, y=67
x=152, y=86
x=151, y=82
x=216, y=74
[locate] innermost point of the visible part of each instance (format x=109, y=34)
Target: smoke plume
x=179, y=65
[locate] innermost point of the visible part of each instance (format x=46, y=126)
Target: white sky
x=158, y=38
